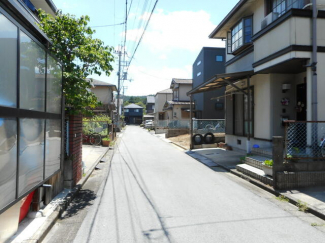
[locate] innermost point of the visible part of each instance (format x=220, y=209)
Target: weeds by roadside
x=302, y=206
x=282, y=198
x=315, y=224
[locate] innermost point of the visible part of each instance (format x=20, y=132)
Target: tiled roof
x=182, y=81
x=165, y=91
x=170, y=102
x=96, y=82
x=133, y=106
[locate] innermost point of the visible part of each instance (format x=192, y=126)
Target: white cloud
x=150, y=81
x=163, y=57
x=182, y=30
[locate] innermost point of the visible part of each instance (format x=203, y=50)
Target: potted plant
x=267, y=167
x=106, y=141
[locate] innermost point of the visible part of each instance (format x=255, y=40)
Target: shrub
x=268, y=162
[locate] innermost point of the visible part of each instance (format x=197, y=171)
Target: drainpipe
x=248, y=144
x=314, y=63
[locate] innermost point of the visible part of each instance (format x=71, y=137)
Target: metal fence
x=304, y=141
x=203, y=126
x=172, y=124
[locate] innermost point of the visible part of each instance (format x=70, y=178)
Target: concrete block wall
x=75, y=146
x=176, y=132
x=293, y=180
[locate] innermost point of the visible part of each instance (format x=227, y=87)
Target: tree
x=80, y=56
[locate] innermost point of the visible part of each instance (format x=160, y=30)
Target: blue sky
x=176, y=33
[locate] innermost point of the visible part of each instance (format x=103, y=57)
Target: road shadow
x=84, y=199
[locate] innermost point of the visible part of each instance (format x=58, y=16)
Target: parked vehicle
x=148, y=124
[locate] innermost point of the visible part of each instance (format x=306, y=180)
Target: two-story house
x=179, y=107
x=133, y=114
x=104, y=93
x=161, y=98
x=273, y=49
x=211, y=104
x=30, y=111
x=150, y=104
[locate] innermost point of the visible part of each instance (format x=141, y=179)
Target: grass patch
x=315, y=224
x=282, y=198
x=302, y=206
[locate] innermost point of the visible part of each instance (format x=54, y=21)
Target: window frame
x=17, y=113
x=270, y=8
x=245, y=42
x=230, y=112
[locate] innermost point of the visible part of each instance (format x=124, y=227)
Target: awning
x=220, y=80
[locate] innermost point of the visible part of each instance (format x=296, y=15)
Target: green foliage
x=80, y=56
x=268, y=162
x=242, y=158
x=106, y=139
x=101, y=117
x=134, y=99
x=96, y=124
x=302, y=206
x=282, y=198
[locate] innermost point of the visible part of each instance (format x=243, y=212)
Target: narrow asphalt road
x=154, y=192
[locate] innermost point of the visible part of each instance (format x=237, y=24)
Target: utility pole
x=119, y=78
x=124, y=88
x=118, y=87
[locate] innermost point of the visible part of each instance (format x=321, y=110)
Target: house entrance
x=301, y=115
x=301, y=104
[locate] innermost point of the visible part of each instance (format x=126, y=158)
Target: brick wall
x=75, y=146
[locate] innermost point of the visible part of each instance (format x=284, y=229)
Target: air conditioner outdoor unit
x=269, y=19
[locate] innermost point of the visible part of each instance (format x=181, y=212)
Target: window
x=237, y=114
x=32, y=74
x=136, y=110
x=218, y=106
x=53, y=147
x=281, y=6
x=198, y=74
x=219, y=58
x=126, y=110
x=31, y=154
x=198, y=63
x=8, y=65
x=237, y=36
x=240, y=35
x=8, y=158
x=176, y=94
x=54, y=86
x=250, y=119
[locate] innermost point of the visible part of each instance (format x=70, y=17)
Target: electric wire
x=153, y=9
x=108, y=25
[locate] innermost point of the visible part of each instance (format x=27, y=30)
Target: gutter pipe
x=314, y=62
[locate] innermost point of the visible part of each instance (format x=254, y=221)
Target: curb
x=178, y=145
x=51, y=219
x=293, y=201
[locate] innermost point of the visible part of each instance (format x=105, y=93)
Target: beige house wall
x=103, y=94
x=160, y=100
x=183, y=89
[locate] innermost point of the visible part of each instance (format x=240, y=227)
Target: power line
x=107, y=25
x=153, y=9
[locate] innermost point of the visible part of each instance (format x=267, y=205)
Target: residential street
x=154, y=192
